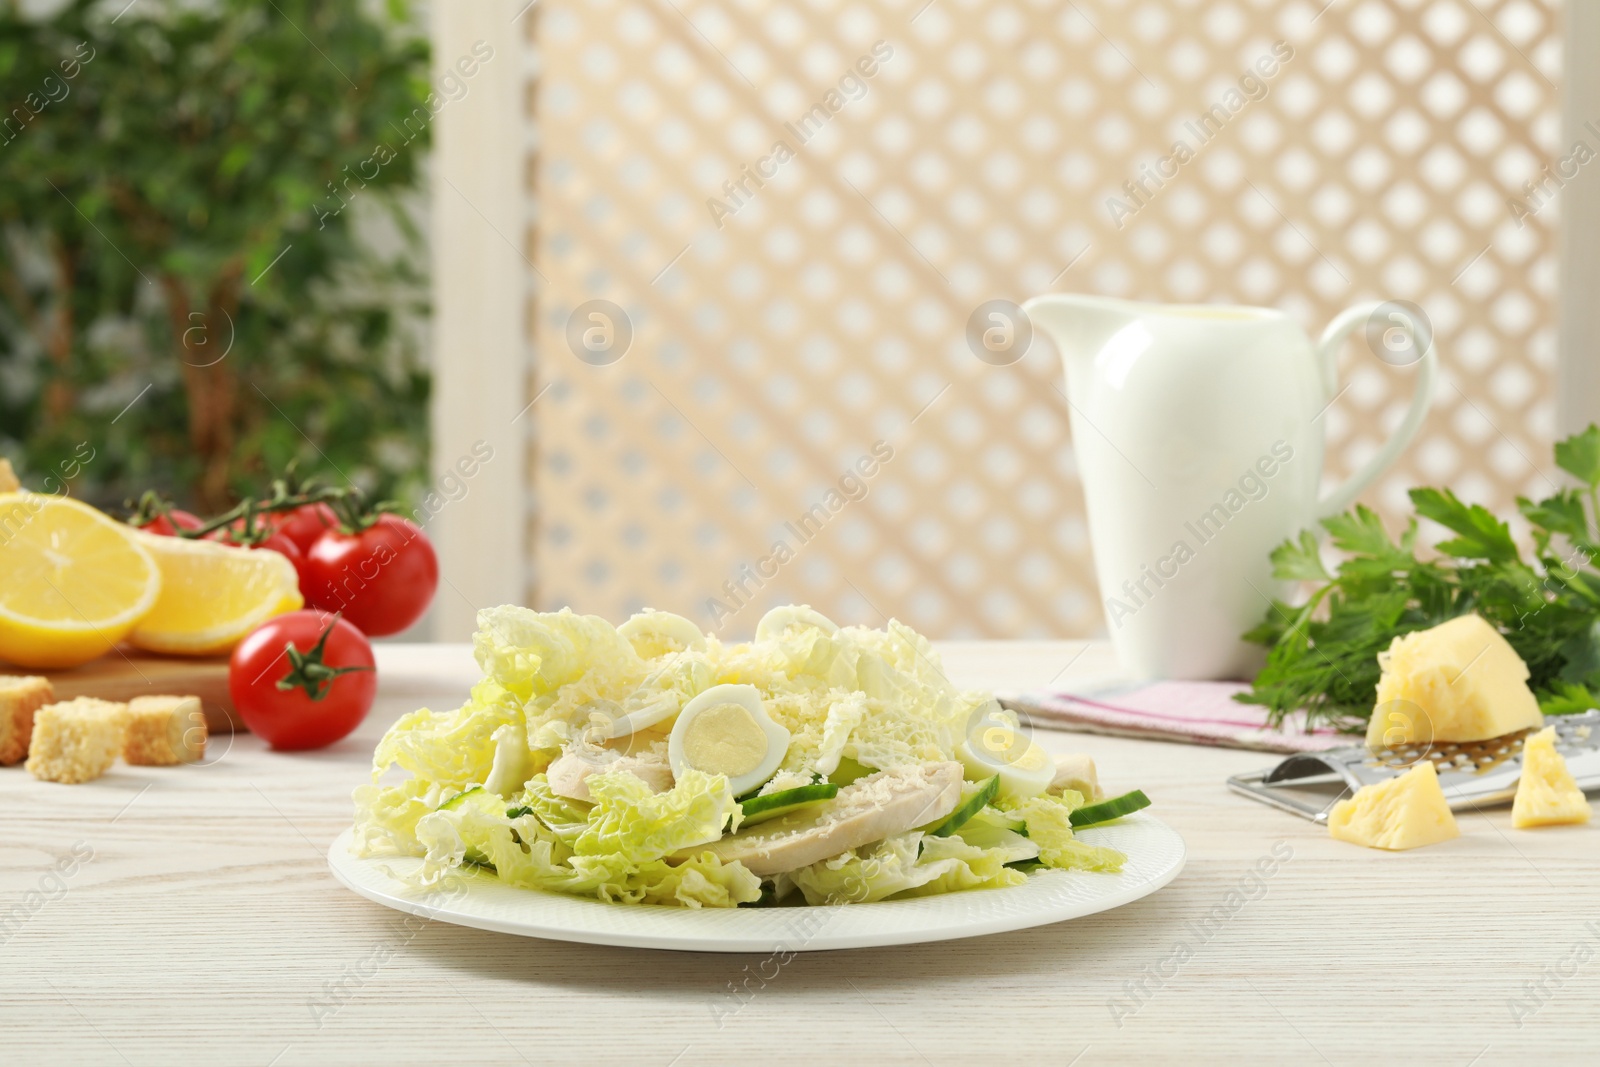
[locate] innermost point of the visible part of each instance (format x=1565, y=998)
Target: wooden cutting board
x=128, y=673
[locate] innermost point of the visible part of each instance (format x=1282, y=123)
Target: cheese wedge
x=1546, y=793
x=1402, y=813
x=1460, y=681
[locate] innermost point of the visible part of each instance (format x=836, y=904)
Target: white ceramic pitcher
x=1198, y=433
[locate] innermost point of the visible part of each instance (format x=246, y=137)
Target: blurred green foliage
x=180, y=186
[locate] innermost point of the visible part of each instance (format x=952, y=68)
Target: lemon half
x=212, y=594
x=73, y=582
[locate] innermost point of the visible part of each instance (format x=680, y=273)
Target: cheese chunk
x=1465, y=681
x=1546, y=793
x=1402, y=813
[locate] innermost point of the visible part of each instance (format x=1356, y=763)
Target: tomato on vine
x=305, y=523
x=169, y=524
x=253, y=531
x=157, y=516
x=376, y=568
x=381, y=575
x=303, y=680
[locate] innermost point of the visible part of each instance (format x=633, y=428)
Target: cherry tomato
x=303, y=680
x=282, y=545
x=382, y=579
x=304, y=524
x=174, y=520
x=279, y=543
x=233, y=533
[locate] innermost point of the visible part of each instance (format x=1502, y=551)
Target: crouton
x=164, y=730
x=20, y=697
x=76, y=740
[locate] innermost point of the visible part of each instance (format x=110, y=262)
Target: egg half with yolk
x=995, y=745
x=726, y=730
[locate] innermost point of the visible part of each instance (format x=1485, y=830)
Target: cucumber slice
x=760, y=809
x=455, y=801
x=848, y=771
x=968, y=808
x=1106, y=810
x=1000, y=820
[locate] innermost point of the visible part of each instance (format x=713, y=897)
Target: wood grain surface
x=127, y=673
x=187, y=915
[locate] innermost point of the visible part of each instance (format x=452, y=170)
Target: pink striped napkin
x=1201, y=713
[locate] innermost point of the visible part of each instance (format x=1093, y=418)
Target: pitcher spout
x=1079, y=324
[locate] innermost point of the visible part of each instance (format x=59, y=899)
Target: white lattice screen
x=827, y=310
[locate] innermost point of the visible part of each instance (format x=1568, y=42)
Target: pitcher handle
x=1411, y=333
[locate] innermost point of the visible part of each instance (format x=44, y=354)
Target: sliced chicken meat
x=569, y=774
x=870, y=809
x=1076, y=771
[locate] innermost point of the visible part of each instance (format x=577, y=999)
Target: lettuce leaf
x=630, y=821
x=561, y=816
x=860, y=876
x=1075, y=855
x=877, y=697
x=1049, y=820
x=962, y=865
x=386, y=817
x=521, y=851
x=451, y=748
x=910, y=865
x=527, y=853
x=702, y=882
x=1015, y=847
x=532, y=653
x=512, y=764
x=844, y=716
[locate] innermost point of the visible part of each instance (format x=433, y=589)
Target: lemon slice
x=212, y=594
x=73, y=582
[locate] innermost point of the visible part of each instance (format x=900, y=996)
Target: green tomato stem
x=308, y=672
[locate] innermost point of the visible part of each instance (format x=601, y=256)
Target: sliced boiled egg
x=658, y=697
x=654, y=634
x=793, y=616
x=994, y=744
x=726, y=730
x=642, y=717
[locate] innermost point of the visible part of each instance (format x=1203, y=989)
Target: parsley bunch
x=1323, y=654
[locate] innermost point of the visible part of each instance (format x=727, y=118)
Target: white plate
x=1155, y=856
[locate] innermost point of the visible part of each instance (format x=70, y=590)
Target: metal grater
x=1473, y=773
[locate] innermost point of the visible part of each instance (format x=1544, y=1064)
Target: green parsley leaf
x=1579, y=456
x=1295, y=561
x=1568, y=699
x=1481, y=535
x=1560, y=514
x=1322, y=656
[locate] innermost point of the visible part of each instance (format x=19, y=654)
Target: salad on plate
x=650, y=763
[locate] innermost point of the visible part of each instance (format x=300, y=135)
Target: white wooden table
x=202, y=926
